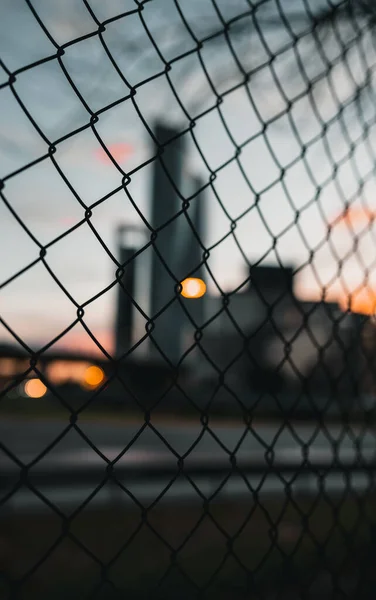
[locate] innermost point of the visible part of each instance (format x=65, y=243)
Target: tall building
x=189, y=252
x=129, y=241
x=271, y=282
x=188, y=249
x=123, y=328
x=166, y=203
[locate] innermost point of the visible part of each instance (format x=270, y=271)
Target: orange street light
x=93, y=376
x=35, y=388
x=193, y=287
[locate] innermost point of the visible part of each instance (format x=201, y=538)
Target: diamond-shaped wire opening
x=237, y=85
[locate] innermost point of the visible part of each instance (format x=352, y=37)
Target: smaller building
x=267, y=340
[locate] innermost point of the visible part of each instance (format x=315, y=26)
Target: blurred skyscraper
x=176, y=253
x=178, y=244
x=189, y=252
x=124, y=304
x=166, y=203
x=129, y=240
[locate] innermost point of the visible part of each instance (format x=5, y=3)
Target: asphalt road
x=66, y=446
x=31, y=438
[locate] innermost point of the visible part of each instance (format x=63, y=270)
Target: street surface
x=31, y=438
x=67, y=447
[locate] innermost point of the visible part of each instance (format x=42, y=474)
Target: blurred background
x=153, y=443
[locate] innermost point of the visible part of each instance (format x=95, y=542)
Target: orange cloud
x=120, y=152
x=79, y=341
x=362, y=301
x=355, y=215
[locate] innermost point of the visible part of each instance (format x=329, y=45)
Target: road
x=67, y=446
x=23, y=437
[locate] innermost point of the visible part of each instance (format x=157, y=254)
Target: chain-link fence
x=187, y=282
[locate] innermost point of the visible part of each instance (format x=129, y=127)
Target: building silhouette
x=125, y=295
x=263, y=340
x=130, y=290
x=166, y=203
x=178, y=247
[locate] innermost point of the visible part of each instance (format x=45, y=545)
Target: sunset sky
x=32, y=303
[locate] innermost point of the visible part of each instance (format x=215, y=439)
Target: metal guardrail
x=145, y=479
x=62, y=470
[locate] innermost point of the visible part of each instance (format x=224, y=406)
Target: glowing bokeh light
x=93, y=376
x=192, y=287
x=35, y=388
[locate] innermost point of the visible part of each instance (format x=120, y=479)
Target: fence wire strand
x=166, y=48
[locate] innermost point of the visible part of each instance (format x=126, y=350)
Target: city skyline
x=47, y=207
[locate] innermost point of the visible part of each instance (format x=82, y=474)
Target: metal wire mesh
x=302, y=75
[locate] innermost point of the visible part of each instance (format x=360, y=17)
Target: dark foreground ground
x=311, y=547
x=303, y=548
